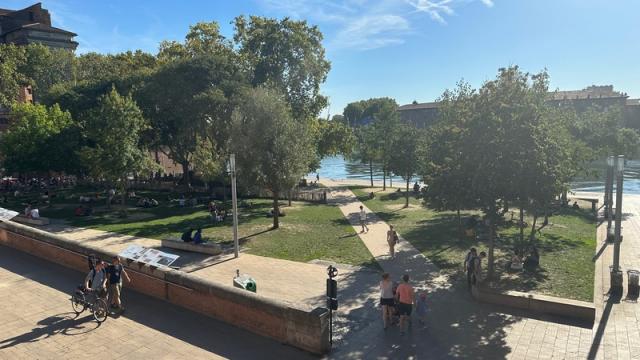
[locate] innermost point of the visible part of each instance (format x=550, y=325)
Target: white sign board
x=6, y=214
x=148, y=256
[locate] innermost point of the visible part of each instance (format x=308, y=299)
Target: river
x=337, y=167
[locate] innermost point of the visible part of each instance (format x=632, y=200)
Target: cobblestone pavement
x=36, y=322
x=457, y=325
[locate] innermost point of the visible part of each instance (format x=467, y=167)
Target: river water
x=337, y=167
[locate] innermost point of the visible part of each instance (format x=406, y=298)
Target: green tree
x=189, y=98
x=46, y=67
x=286, y=55
x=114, y=132
x=30, y=145
x=273, y=150
x=333, y=138
x=11, y=58
x=627, y=143
x=404, y=157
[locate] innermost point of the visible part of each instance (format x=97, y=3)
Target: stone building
x=32, y=25
x=424, y=114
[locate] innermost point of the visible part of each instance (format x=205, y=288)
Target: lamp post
x=234, y=200
x=609, y=197
x=616, y=273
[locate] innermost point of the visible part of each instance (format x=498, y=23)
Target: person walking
x=405, y=297
x=115, y=272
x=392, y=240
x=387, y=300
x=468, y=265
x=363, y=220
x=477, y=268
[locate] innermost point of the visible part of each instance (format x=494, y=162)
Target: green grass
x=566, y=247
x=307, y=231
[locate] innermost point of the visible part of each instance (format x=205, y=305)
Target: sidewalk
x=458, y=326
x=617, y=327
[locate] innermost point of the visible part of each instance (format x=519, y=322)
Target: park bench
x=29, y=221
x=204, y=248
x=592, y=199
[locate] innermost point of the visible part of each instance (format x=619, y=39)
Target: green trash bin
x=245, y=282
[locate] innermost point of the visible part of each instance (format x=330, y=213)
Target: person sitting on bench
x=186, y=236
x=197, y=237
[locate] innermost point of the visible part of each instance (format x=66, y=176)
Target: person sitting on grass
x=197, y=237
x=186, y=236
x=575, y=205
x=516, y=261
x=34, y=213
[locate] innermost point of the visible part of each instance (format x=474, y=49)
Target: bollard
x=633, y=289
x=616, y=282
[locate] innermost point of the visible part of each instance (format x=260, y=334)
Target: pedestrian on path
x=405, y=296
x=392, y=240
x=468, y=265
x=115, y=272
x=387, y=300
x=477, y=268
x=363, y=220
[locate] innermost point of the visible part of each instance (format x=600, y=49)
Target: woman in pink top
x=405, y=296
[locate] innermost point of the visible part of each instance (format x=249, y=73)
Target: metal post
x=616, y=273
x=234, y=200
x=609, y=196
x=618, y=223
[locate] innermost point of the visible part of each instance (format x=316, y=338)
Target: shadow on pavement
x=196, y=329
x=66, y=324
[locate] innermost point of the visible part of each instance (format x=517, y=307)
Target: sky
x=405, y=49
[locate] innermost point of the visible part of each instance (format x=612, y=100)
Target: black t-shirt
x=115, y=273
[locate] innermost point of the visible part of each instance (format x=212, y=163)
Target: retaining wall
x=304, y=328
x=575, y=309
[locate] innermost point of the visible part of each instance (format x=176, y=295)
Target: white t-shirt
x=35, y=214
x=363, y=215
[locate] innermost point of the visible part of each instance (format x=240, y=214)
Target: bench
x=205, y=248
x=593, y=200
x=29, y=221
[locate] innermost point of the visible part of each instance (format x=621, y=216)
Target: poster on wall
x=148, y=256
x=6, y=214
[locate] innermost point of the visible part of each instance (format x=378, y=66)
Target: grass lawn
x=307, y=231
x=566, y=246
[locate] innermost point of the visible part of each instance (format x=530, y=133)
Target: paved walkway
x=616, y=332
x=457, y=325
x=37, y=323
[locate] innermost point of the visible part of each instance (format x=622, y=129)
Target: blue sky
x=405, y=49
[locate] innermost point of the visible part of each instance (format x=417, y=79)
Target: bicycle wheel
x=78, y=303
x=100, y=310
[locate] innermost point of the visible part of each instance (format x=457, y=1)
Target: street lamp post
x=234, y=200
x=616, y=273
x=609, y=197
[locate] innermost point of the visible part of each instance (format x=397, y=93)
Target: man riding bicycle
x=96, y=280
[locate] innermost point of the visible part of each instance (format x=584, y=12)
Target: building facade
x=32, y=25
x=424, y=114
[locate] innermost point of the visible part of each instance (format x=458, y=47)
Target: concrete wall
x=288, y=323
x=579, y=310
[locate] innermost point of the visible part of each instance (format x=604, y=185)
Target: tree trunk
x=406, y=201
x=460, y=231
x=490, y=259
x=533, y=229
x=276, y=210
x=390, y=180
x=521, y=225
x=186, y=179
x=384, y=179
x=289, y=198
x=371, y=171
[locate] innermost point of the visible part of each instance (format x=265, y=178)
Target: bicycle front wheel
x=78, y=303
x=100, y=310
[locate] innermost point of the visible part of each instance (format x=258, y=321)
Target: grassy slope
x=567, y=246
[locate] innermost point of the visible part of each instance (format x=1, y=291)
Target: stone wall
x=288, y=323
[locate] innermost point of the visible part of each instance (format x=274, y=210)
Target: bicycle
x=92, y=299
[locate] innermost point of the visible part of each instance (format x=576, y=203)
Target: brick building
x=424, y=114
x=32, y=25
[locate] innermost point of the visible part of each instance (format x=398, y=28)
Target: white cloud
x=371, y=32
x=366, y=24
